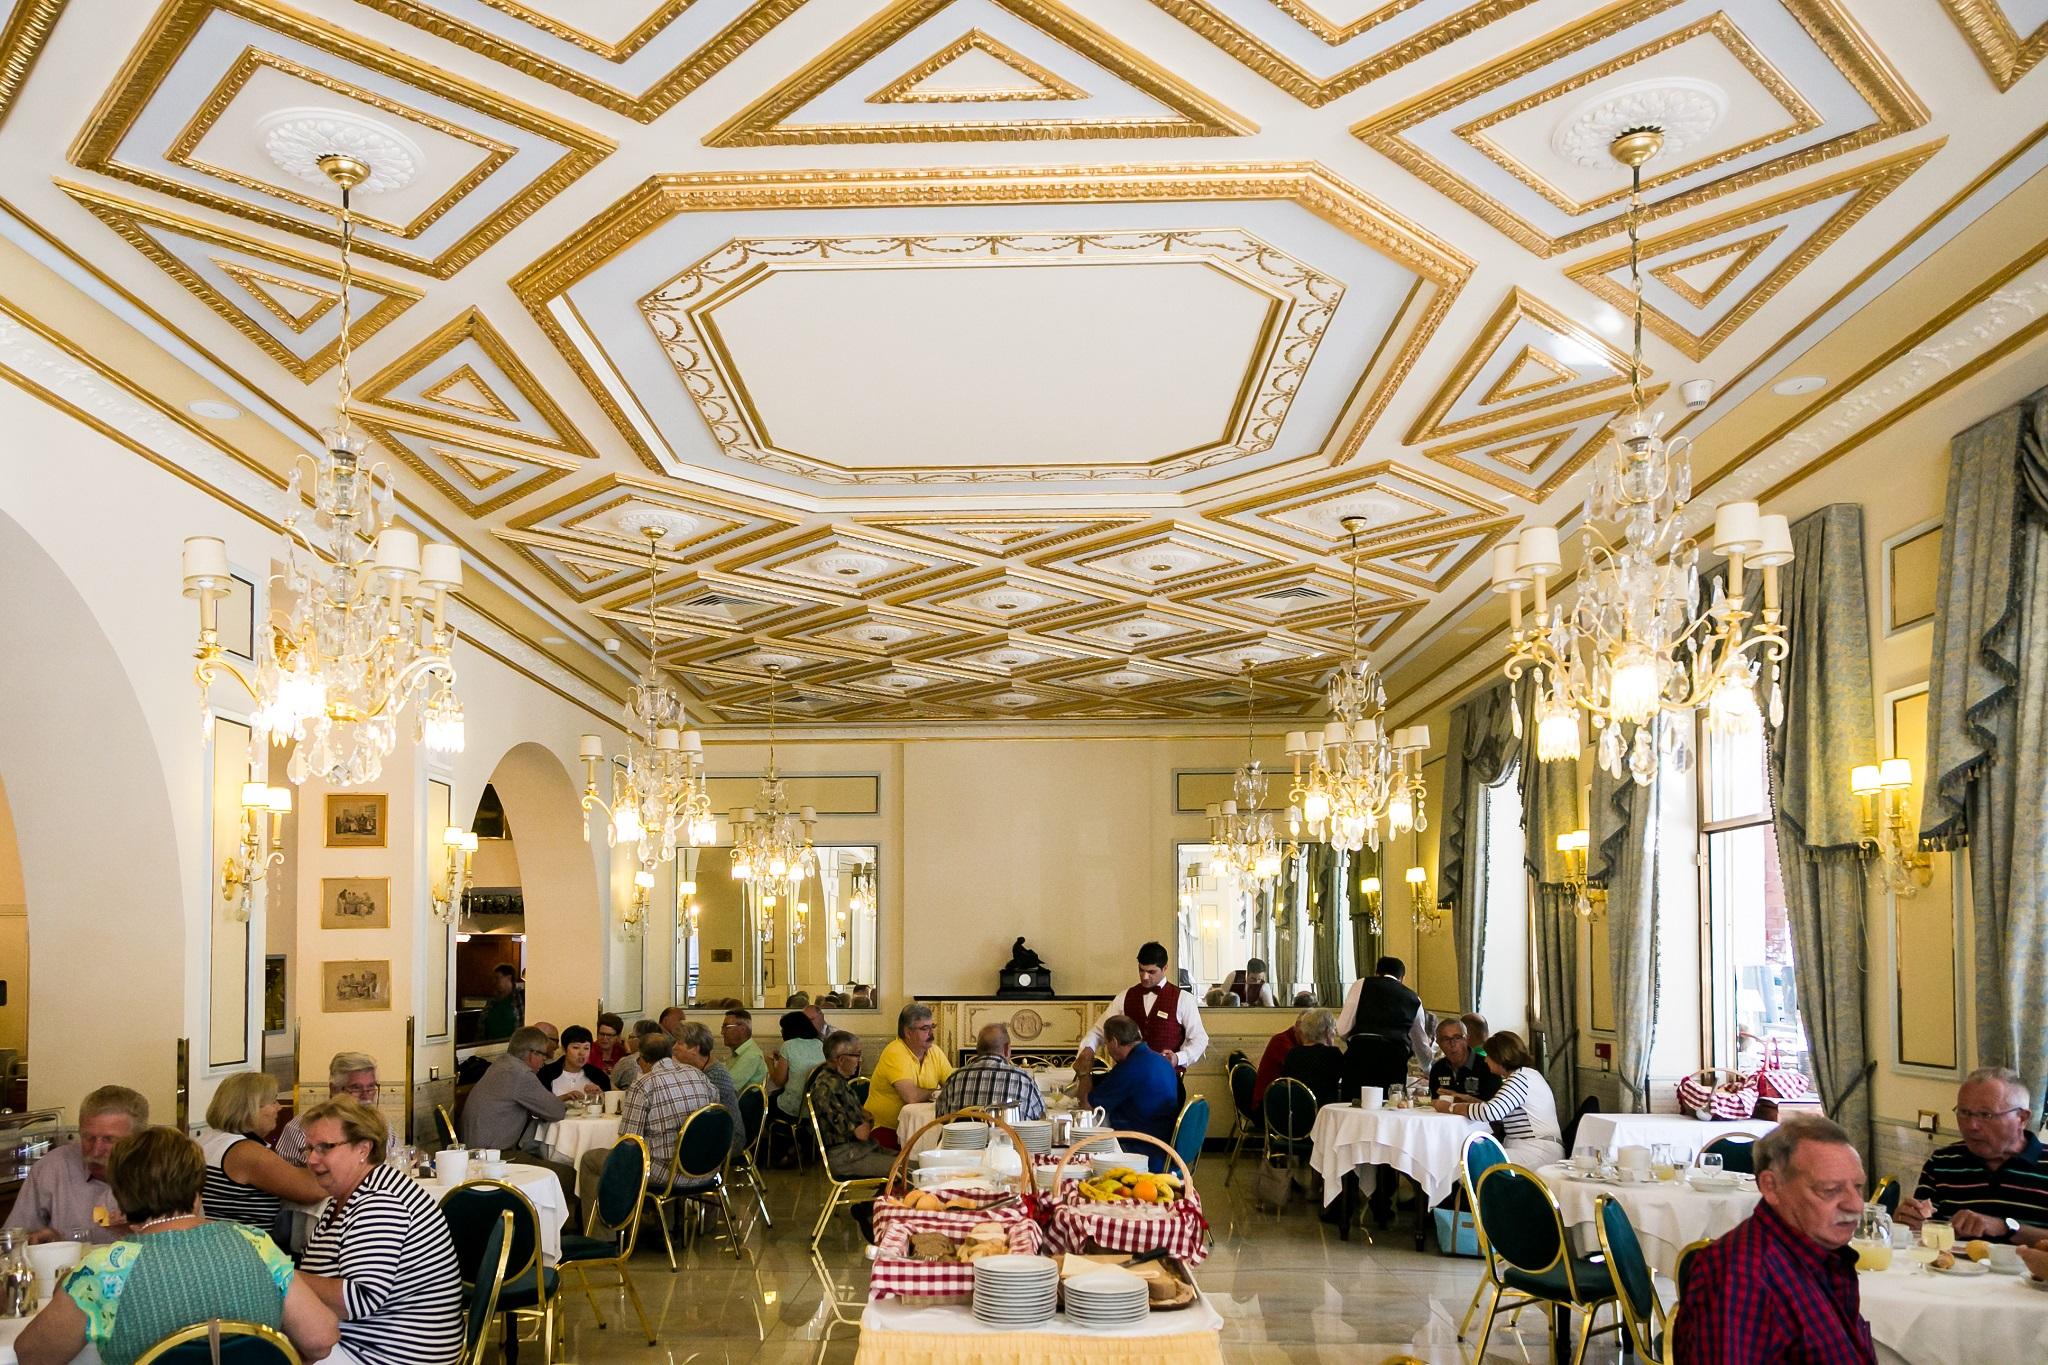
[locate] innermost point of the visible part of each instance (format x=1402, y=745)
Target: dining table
x=10, y=1328
x=566, y=1140
x=537, y=1183
x=1926, y=1317
x=1421, y=1143
x=1609, y=1133
x=892, y=1333
x=1667, y=1215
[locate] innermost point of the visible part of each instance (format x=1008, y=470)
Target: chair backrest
x=1887, y=1193
x=1237, y=1058
x=1190, y=1129
x=818, y=1133
x=1290, y=1109
x=444, y=1125
x=1630, y=1271
x=754, y=1113
x=859, y=1086
x=1244, y=1080
x=1588, y=1105
x=1736, y=1150
x=1522, y=1223
x=1684, y=1258
x=622, y=1184
x=472, y=1210
x=241, y=1343
x=483, y=1295
x=704, y=1143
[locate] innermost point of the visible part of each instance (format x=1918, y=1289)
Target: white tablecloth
x=914, y=1117
x=1422, y=1144
x=537, y=1183
x=1667, y=1215
x=1611, y=1132
x=10, y=1328
x=888, y=1329
x=568, y=1140
x=1930, y=1319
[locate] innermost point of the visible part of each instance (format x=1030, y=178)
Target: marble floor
x=1288, y=1289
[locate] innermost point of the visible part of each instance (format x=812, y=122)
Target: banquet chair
x=846, y=1192
x=1243, y=1081
x=1736, y=1150
x=444, y=1127
x=530, y=1286
x=241, y=1343
x=1642, y=1312
x=621, y=1199
x=1678, y=1265
x=1191, y=1129
x=1289, y=1113
x=703, y=1146
x=746, y=1166
x=1887, y=1193
x=1481, y=1154
x=483, y=1295
x=1521, y=1222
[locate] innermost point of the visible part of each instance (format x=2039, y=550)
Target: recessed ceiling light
x=1798, y=384
x=1610, y=322
x=218, y=409
x=553, y=640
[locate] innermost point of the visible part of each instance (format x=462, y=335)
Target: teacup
x=2005, y=1259
x=53, y=1260
x=612, y=1100
x=452, y=1166
x=1371, y=1097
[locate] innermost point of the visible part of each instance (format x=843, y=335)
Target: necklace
x=159, y=1222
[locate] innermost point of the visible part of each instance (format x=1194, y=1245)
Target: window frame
x=1718, y=1024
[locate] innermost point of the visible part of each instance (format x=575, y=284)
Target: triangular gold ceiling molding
x=1731, y=258
x=1601, y=368
x=1000, y=533
x=477, y=478
x=480, y=470
x=1038, y=83
x=425, y=363
x=1860, y=191
x=463, y=389
x=766, y=122
x=189, y=252
x=1528, y=460
x=276, y=294
x=2006, y=56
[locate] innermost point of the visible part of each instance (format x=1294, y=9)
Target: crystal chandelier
x=658, y=798
x=1359, y=776
x=366, y=631
x=1633, y=645
x=770, y=843
x=1241, y=836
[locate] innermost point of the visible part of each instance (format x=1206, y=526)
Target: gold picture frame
x=357, y=819
x=356, y=985
x=355, y=902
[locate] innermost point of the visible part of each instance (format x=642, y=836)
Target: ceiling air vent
x=1299, y=592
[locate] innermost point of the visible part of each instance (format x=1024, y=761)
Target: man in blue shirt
x=1141, y=1093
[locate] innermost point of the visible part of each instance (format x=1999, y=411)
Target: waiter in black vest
x=1384, y=1025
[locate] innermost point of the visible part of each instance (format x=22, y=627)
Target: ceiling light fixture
x=1635, y=644
x=771, y=844
x=1241, y=835
x=366, y=631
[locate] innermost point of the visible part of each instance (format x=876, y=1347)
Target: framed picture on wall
x=356, y=820
x=355, y=986
x=273, y=993
x=355, y=902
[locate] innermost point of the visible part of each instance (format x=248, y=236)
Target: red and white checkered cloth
x=955, y=1223
x=1179, y=1226
x=895, y=1275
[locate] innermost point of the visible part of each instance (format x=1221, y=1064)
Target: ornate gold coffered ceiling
x=1000, y=359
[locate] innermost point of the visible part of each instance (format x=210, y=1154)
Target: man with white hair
x=66, y=1195
x=1993, y=1185
x=348, y=1073
x=1781, y=1286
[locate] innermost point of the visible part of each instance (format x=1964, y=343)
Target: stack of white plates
x=1107, y=1298
x=964, y=1135
x=1036, y=1135
x=1018, y=1291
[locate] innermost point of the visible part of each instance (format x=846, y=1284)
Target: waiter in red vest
x=1164, y=1013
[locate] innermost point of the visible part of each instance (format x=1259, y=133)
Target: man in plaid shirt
x=1781, y=1288
x=658, y=1105
x=990, y=1081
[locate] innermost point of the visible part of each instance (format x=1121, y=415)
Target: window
x=1755, y=1003
x=1504, y=980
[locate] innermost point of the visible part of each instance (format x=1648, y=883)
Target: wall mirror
x=1310, y=928
x=758, y=943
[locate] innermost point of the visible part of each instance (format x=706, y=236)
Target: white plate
x=1963, y=1269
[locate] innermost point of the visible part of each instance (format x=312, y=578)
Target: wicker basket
x=897, y=1276
x=1078, y=1223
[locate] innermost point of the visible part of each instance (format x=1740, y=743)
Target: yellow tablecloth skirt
x=1016, y=1348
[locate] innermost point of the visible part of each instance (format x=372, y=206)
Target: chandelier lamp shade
x=1884, y=802
x=1636, y=644
x=364, y=632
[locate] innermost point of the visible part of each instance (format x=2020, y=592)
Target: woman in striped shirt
x=246, y=1181
x=381, y=1257
x=1523, y=1106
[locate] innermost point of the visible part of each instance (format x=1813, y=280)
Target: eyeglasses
x=361, y=1092
x=1981, y=1115
x=607, y=1033
x=323, y=1148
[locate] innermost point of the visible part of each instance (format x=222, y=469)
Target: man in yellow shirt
x=909, y=1071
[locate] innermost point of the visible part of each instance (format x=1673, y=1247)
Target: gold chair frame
x=543, y=1309
x=845, y=1193
x=1488, y=1262
x=1583, y=1303
x=444, y=1123
x=1645, y=1335
x=228, y=1327
x=694, y=1198
x=1243, y=1126
x=483, y=1336
x=747, y=1165
x=627, y=1236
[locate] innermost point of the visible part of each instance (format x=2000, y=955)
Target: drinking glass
x=1939, y=1234
x=1586, y=1159
x=1711, y=1163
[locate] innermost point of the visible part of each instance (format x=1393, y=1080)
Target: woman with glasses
x=381, y=1257
x=843, y=1126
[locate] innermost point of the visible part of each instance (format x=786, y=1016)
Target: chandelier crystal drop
x=658, y=799
x=1242, y=839
x=1635, y=644
x=1358, y=780
x=358, y=627
x=772, y=843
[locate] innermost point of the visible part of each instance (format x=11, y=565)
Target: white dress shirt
x=1421, y=1033
x=1192, y=1046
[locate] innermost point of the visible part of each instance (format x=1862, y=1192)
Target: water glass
x=1711, y=1163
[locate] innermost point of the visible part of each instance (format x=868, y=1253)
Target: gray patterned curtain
x=1483, y=751
x=1550, y=807
x=1623, y=821
x=1334, y=886
x=1367, y=942
x=1828, y=729
x=1987, y=723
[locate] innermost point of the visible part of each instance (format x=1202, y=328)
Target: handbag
x=1718, y=1093
x=1777, y=1081
x=1273, y=1186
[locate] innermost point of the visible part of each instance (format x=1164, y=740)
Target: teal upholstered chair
x=1519, y=1218
x=529, y=1288
x=1642, y=1312
x=1190, y=1129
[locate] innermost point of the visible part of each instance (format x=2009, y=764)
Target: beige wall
x=13, y=934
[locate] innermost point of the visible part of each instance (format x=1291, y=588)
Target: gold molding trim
x=1512, y=384
x=173, y=28
x=1082, y=562
x=388, y=432
x=764, y=122
x=1671, y=276
x=752, y=522
x=1869, y=184
x=127, y=218
x=1895, y=110
x=252, y=281
x=1537, y=433
x=1310, y=186
x=473, y=326
x=645, y=32
x=1090, y=524
x=1050, y=86
x=2006, y=56
x=1519, y=305
x=1205, y=18
x=1256, y=513
x=438, y=393
x=21, y=42
x=1334, y=33
x=657, y=99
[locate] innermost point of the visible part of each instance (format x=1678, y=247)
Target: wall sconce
x=1887, y=813
x=692, y=911
x=800, y=923
x=634, y=917
x=261, y=847
x=1369, y=890
x=459, y=847
x=1423, y=910
x=1573, y=849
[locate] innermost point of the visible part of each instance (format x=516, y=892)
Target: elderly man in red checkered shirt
x=1781, y=1288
